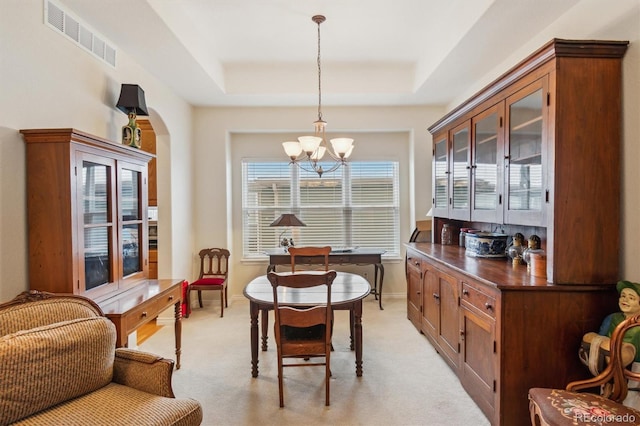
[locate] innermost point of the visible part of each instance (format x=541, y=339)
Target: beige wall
x=227, y=135
x=47, y=82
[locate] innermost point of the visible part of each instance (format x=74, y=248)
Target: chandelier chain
x=319, y=77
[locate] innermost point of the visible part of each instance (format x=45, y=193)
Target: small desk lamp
x=132, y=103
x=287, y=220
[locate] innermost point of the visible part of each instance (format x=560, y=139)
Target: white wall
x=225, y=135
x=46, y=81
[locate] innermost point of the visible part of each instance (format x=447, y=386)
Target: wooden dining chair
x=214, y=274
x=302, y=345
x=297, y=252
x=570, y=407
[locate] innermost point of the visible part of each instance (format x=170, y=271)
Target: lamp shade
x=132, y=100
x=288, y=219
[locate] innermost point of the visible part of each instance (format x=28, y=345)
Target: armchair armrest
x=143, y=371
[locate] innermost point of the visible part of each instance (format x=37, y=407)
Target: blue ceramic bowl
x=486, y=244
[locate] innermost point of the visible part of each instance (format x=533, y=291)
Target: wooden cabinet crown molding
x=556, y=48
x=67, y=135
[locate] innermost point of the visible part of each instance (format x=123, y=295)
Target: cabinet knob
x=488, y=306
x=436, y=296
x=170, y=298
x=465, y=292
x=144, y=314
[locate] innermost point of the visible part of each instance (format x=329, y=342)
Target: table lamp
x=286, y=220
x=132, y=103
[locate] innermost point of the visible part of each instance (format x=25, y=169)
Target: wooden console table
x=360, y=256
x=132, y=309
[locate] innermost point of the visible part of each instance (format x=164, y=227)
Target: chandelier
x=307, y=151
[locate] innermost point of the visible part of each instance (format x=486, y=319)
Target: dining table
x=347, y=293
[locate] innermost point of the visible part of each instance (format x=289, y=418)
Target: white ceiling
x=263, y=52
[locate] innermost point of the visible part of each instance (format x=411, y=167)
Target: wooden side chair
x=214, y=272
x=297, y=252
x=302, y=345
x=570, y=407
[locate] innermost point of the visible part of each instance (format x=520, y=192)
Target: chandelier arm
x=335, y=166
x=310, y=166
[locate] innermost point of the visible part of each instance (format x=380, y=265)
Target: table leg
x=351, y=328
x=264, y=323
x=358, y=329
x=253, y=312
x=178, y=331
x=378, y=290
x=121, y=337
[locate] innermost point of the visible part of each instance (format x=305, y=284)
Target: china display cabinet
x=537, y=151
x=87, y=213
x=528, y=151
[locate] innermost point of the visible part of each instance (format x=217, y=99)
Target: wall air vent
x=82, y=35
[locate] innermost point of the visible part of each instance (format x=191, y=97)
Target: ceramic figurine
x=516, y=249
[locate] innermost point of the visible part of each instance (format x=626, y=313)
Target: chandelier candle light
x=314, y=147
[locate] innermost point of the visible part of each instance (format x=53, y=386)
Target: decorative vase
x=446, y=238
x=131, y=133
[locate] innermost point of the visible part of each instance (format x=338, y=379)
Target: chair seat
x=208, y=281
x=560, y=407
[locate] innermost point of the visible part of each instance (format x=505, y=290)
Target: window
x=354, y=206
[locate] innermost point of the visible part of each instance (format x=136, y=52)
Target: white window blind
x=354, y=206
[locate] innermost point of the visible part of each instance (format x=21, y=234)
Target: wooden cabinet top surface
x=138, y=295
x=497, y=273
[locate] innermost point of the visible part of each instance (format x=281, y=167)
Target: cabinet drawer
x=414, y=263
x=149, y=310
x=473, y=297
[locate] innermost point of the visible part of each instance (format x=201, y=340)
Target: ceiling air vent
x=82, y=35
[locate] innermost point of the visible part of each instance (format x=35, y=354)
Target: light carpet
x=404, y=381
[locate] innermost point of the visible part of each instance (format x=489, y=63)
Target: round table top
x=346, y=288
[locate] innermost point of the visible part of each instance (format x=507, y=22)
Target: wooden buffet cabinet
x=537, y=151
x=501, y=330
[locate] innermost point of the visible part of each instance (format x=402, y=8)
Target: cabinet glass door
x=526, y=117
x=486, y=166
x=132, y=219
x=440, y=177
x=460, y=173
x=96, y=196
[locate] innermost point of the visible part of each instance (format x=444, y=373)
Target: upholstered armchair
x=59, y=365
